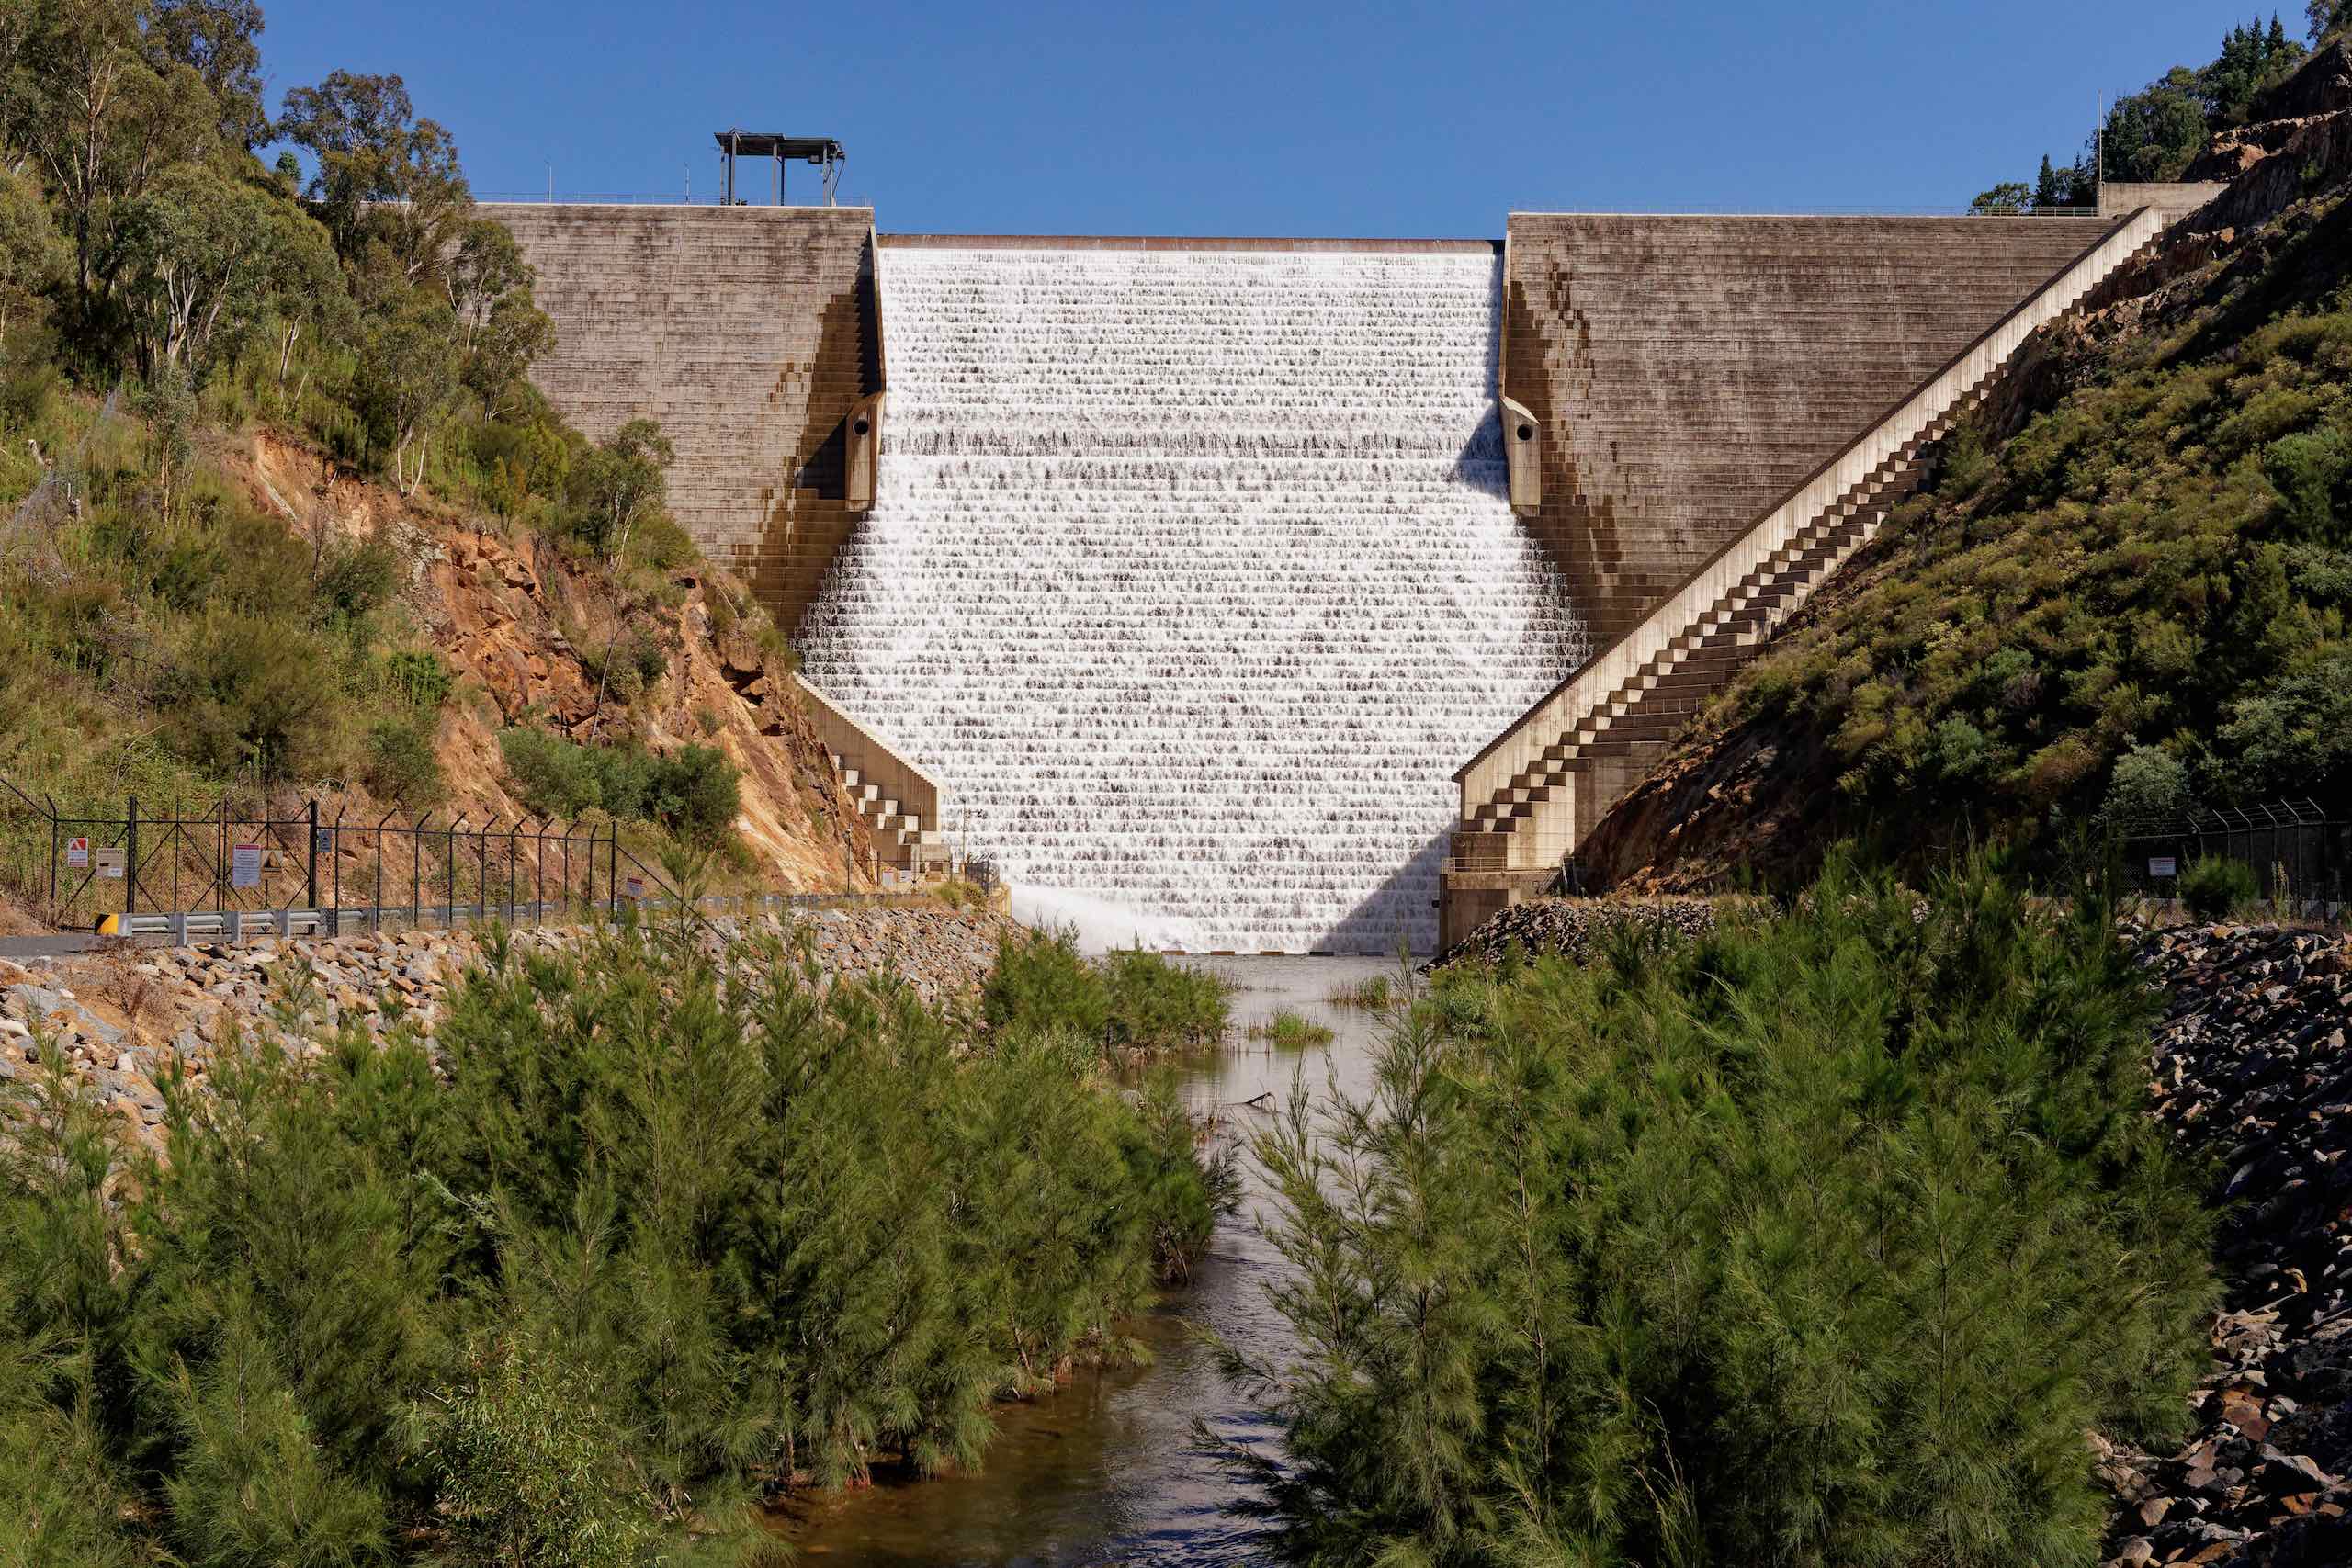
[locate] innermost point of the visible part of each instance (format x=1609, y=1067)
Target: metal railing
x=227, y=874
x=79, y=869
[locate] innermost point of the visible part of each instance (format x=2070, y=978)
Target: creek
x=1106, y=1470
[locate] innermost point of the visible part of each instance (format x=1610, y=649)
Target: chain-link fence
x=2299, y=850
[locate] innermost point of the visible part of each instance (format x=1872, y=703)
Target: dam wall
x=1193, y=569
x=750, y=332
x=1686, y=371
x=1192, y=576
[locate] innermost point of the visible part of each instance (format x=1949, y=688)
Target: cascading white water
x=1191, y=578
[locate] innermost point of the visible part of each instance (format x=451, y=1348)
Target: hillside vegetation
x=2127, y=591
x=249, y=412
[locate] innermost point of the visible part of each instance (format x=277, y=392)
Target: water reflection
x=1105, y=1470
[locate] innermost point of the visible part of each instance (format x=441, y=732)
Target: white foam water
x=1192, y=576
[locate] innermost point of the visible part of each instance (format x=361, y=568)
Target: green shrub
x=2312, y=472
x=2149, y=782
x=1131, y=1000
x=402, y=764
x=354, y=580
x=422, y=676
x=632, y=1246
x=529, y=1467
x=1290, y=1029
x=1040, y=984
x=1820, y=1240
x=2216, y=887
x=247, y=689
x=552, y=776
x=695, y=792
x=658, y=542
x=1158, y=1005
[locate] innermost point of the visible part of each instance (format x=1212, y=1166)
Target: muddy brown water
x=1106, y=1470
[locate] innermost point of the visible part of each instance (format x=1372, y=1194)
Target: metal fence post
x=131, y=861
x=312, y=878
x=612, y=870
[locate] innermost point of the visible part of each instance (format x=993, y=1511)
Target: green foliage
x=1290, y=1029
x=641, y=1237
x=2149, y=782
x=1374, y=993
x=2140, y=596
x=695, y=792
x=245, y=689
x=531, y=1467
x=402, y=764
x=2312, y=472
x=422, y=676
x=1131, y=1000
x=2216, y=887
x=617, y=484
x=2005, y=201
x=1818, y=1240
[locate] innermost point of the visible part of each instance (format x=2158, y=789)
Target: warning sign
x=633, y=888
x=245, y=866
x=77, y=852
x=2162, y=866
x=111, y=864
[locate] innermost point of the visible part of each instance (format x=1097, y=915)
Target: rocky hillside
x=527, y=626
x=286, y=631
x=2127, y=588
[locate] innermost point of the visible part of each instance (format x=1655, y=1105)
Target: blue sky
x=1267, y=119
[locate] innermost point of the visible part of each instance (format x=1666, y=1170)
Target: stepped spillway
x=1192, y=576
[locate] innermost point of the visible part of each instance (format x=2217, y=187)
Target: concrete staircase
x=897, y=801
x=898, y=832
x=1534, y=793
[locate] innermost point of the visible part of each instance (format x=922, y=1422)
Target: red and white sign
x=77, y=852
x=633, y=888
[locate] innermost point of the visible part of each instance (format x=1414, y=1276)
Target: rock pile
x=1576, y=929
x=2250, y=1070
x=115, y=1020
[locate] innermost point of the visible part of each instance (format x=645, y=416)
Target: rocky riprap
x=1576, y=928
x=115, y=1021
x=2251, y=1074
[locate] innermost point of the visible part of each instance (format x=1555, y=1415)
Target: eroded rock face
x=2249, y=1068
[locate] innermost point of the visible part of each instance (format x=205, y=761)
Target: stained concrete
x=1688, y=370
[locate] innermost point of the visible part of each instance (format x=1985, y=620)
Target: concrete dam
x=1199, y=572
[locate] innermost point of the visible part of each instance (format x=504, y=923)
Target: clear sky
x=1277, y=118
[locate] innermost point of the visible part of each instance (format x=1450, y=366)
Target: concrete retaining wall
x=748, y=331
x=1685, y=370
